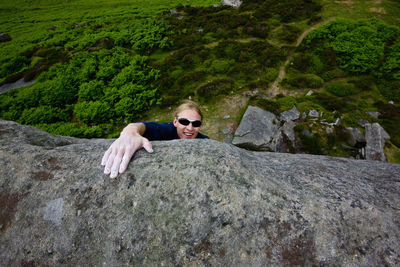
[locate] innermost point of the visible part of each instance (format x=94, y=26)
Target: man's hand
x=118, y=155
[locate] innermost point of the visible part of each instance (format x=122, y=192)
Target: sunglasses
x=186, y=122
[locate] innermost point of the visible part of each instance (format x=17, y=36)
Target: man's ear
x=175, y=122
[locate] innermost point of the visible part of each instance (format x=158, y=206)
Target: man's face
x=188, y=131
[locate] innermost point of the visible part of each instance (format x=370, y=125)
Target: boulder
x=258, y=130
x=191, y=203
x=375, y=137
x=290, y=115
x=233, y=3
x=5, y=37
x=356, y=138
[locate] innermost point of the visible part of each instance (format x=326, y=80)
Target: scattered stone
x=53, y=28
x=313, y=113
x=373, y=114
x=306, y=132
x=363, y=122
x=5, y=37
x=193, y=202
x=309, y=93
x=391, y=102
x=180, y=17
x=215, y=5
x=375, y=137
x=200, y=30
x=303, y=116
x=173, y=11
x=232, y=3
x=290, y=115
x=227, y=116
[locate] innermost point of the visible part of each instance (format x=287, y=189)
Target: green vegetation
x=96, y=69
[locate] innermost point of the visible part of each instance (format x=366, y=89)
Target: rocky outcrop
x=191, y=203
x=261, y=130
x=233, y=3
x=375, y=136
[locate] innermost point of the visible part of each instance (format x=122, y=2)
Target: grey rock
x=309, y=93
x=313, y=113
x=173, y=11
x=375, y=137
x=356, y=138
x=191, y=203
x=373, y=114
x=363, y=122
x=5, y=37
x=257, y=130
x=306, y=132
x=290, y=115
x=391, y=102
x=233, y=3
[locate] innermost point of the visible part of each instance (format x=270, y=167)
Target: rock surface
x=375, y=137
x=258, y=130
x=233, y=3
x=196, y=203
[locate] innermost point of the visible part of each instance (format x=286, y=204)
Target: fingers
x=105, y=157
x=116, y=164
x=126, y=159
x=147, y=145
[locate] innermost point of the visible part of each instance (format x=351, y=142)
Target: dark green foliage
x=305, y=81
x=391, y=66
x=265, y=104
x=151, y=35
x=311, y=144
x=390, y=90
x=390, y=120
x=90, y=91
x=359, y=44
x=289, y=33
x=14, y=65
x=93, y=112
x=214, y=88
x=43, y=114
x=72, y=129
x=342, y=88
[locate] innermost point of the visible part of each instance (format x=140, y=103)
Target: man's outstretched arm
x=118, y=155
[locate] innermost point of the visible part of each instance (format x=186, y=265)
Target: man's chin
x=188, y=136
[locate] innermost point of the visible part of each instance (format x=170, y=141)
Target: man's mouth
x=188, y=135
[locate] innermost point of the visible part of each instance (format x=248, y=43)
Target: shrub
x=286, y=102
x=93, y=112
x=341, y=88
x=214, y=88
x=90, y=91
x=14, y=65
x=72, y=129
x=43, y=114
x=221, y=66
x=306, y=81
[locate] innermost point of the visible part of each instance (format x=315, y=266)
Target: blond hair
x=188, y=104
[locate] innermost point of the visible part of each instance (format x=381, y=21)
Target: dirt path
x=274, y=89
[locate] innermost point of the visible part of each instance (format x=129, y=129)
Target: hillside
x=95, y=71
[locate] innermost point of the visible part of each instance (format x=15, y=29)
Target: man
x=186, y=125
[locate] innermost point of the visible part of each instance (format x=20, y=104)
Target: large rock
x=258, y=130
x=375, y=137
x=191, y=203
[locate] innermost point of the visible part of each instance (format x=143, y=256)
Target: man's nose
x=190, y=126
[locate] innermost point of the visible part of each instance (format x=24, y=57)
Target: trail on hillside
x=274, y=90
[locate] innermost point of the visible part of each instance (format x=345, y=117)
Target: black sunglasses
x=186, y=122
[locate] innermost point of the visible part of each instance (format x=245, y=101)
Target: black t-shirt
x=163, y=131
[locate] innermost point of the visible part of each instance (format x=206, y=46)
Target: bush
x=43, y=114
x=221, y=66
x=286, y=102
x=72, y=129
x=306, y=81
x=14, y=65
x=214, y=88
x=341, y=88
x=93, y=112
x=91, y=91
